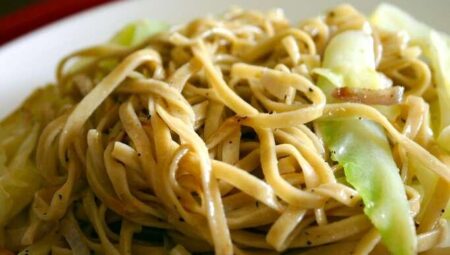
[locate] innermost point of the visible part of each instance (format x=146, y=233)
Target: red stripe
x=39, y=14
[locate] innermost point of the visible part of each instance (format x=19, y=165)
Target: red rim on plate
x=39, y=14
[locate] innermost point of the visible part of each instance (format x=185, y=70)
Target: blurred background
x=18, y=17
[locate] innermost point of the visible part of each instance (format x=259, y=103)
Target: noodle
x=204, y=138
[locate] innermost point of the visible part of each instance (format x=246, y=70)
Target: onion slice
x=73, y=236
x=388, y=96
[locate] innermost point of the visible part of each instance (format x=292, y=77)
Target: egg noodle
x=204, y=139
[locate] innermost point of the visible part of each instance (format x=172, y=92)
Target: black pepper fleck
x=239, y=118
x=308, y=243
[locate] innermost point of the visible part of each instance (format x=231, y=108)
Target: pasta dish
x=240, y=133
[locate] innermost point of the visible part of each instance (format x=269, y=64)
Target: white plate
x=30, y=61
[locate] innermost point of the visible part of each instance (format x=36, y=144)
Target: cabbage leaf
x=361, y=147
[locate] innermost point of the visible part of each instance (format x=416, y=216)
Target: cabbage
x=17, y=190
x=131, y=35
x=361, y=146
x=436, y=48
x=19, y=178
x=355, y=57
x=394, y=19
x=136, y=32
x=439, y=55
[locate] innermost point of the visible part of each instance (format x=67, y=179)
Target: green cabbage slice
x=361, y=146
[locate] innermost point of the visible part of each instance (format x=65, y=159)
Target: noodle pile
x=204, y=139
